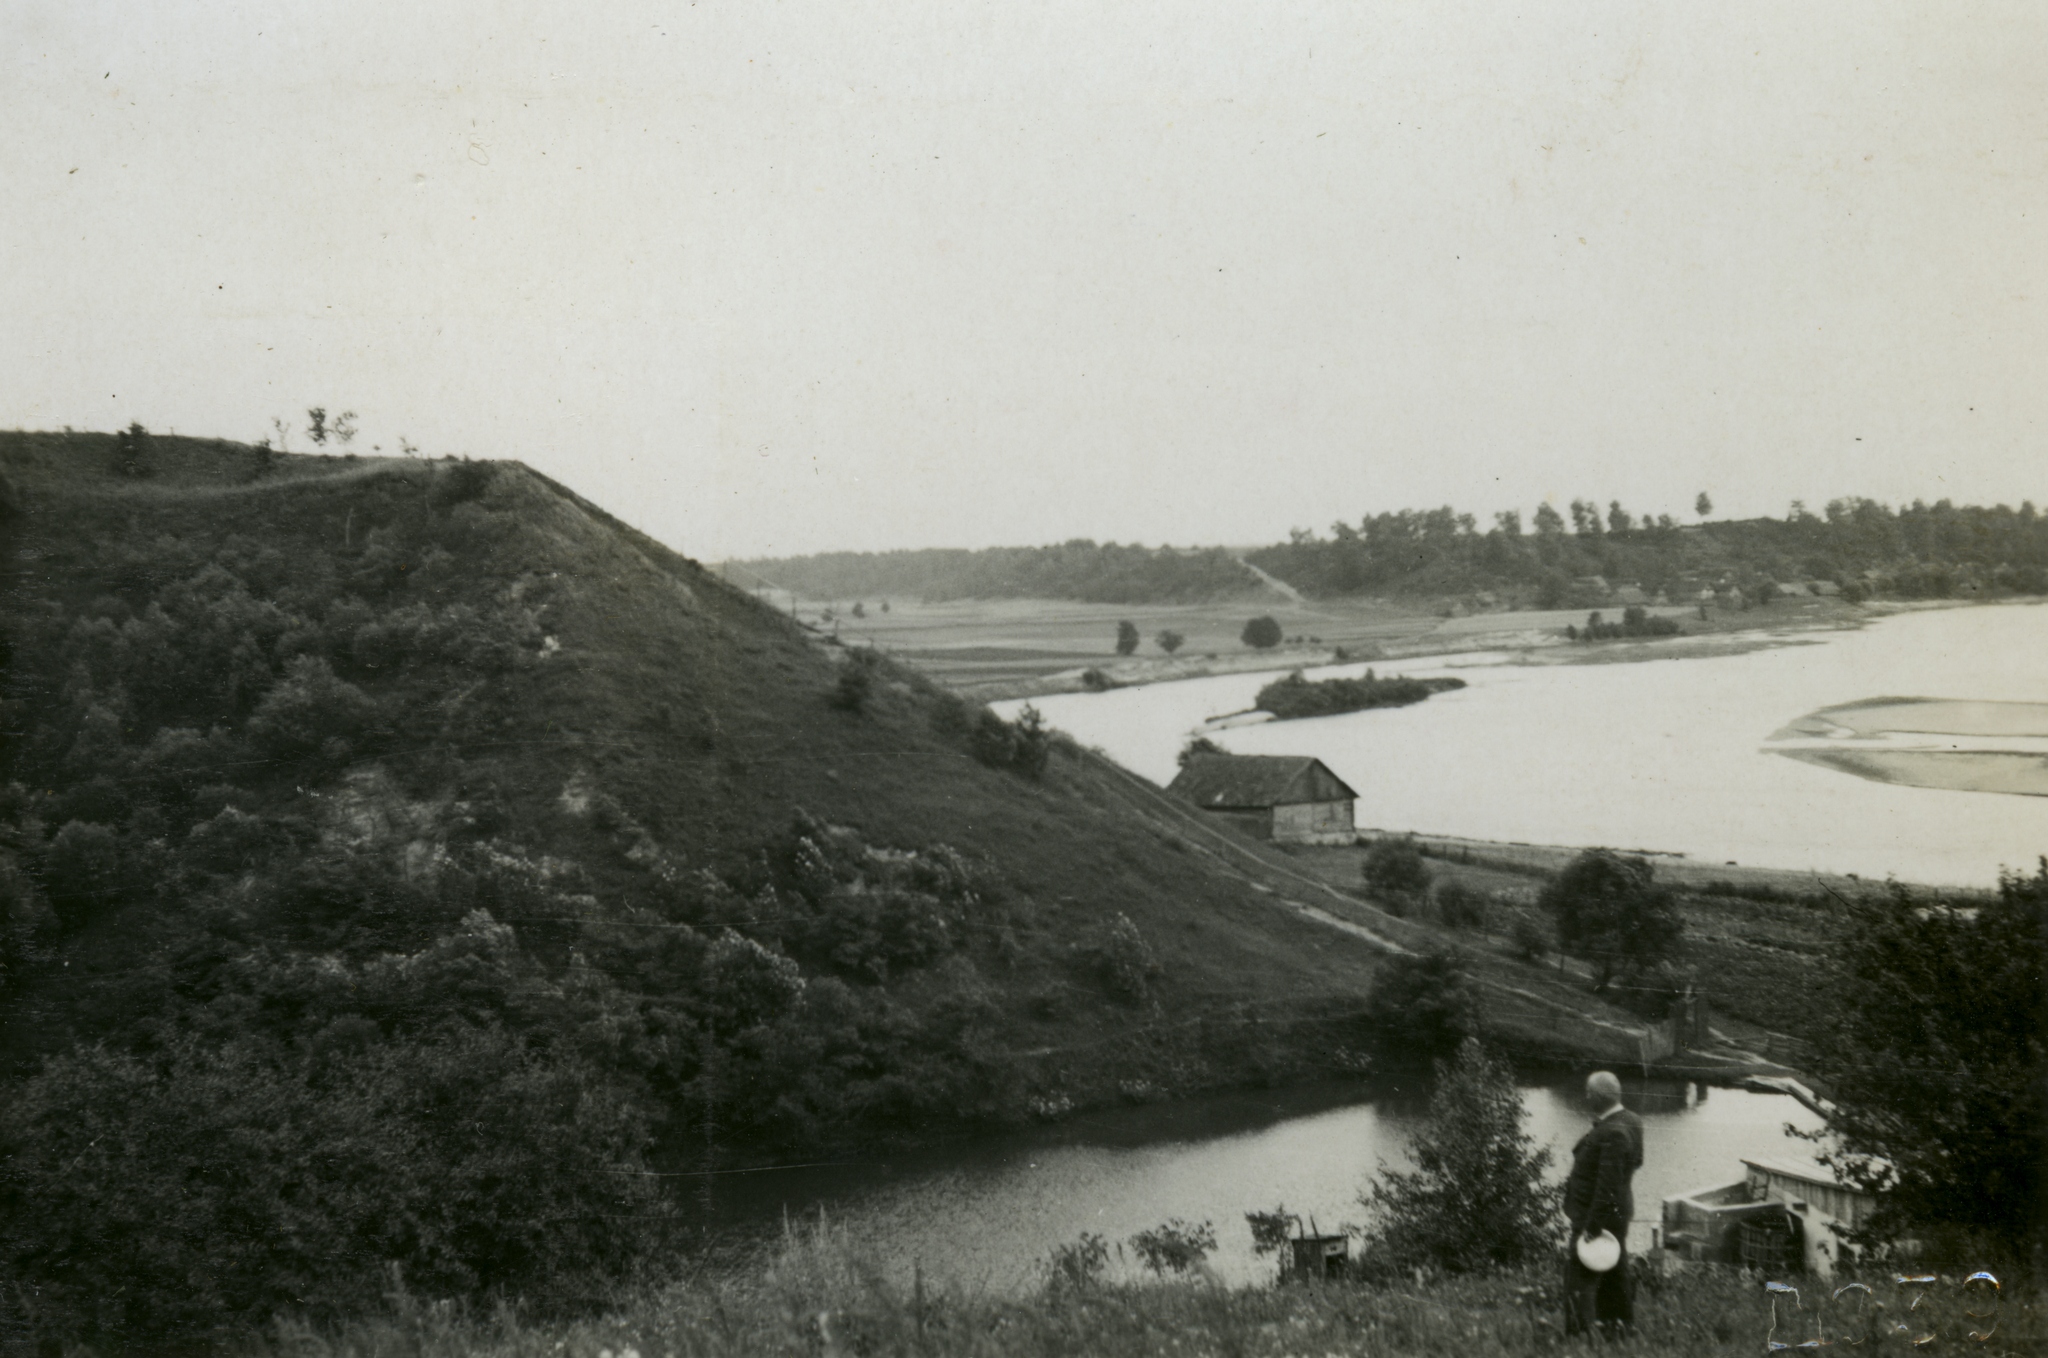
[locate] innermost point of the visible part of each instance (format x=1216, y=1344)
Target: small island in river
x=1296, y=696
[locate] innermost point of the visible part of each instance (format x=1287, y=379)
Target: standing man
x=1598, y=1197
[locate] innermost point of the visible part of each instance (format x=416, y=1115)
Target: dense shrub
x=311, y=712
x=875, y=933
x=1478, y=1199
x=178, y=761
x=1024, y=745
x=231, y=840
x=1394, y=864
x=1126, y=961
x=856, y=682
x=995, y=740
x=1422, y=1006
x=455, y=483
x=745, y=985
x=1459, y=906
x=212, y=1186
x=86, y=870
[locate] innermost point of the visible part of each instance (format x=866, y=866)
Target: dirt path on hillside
x=1568, y=1020
x=1522, y=1002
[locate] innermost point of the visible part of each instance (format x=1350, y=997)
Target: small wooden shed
x=1293, y=799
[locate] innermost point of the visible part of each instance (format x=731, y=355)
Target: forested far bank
x=1106, y=573
x=1860, y=548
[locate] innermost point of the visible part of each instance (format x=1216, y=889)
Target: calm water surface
x=1656, y=755
x=982, y=1216
x=1666, y=755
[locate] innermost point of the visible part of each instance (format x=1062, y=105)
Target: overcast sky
x=774, y=278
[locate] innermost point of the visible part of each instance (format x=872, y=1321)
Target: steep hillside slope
x=400, y=860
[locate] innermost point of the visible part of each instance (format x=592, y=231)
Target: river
x=1665, y=754
x=982, y=1215
x=1669, y=755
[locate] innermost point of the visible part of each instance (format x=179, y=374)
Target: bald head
x=1603, y=1090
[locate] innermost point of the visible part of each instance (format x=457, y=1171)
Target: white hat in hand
x=1598, y=1252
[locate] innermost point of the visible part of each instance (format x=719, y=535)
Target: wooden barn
x=1293, y=799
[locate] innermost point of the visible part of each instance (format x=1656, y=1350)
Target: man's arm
x=1610, y=1184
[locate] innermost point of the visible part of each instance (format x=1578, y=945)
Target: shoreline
x=1537, y=640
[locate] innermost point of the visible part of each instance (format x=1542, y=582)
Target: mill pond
x=983, y=1216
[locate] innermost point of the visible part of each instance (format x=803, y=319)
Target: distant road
x=1274, y=582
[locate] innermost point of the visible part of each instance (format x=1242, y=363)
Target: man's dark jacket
x=1597, y=1196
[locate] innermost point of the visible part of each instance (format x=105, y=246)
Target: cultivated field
x=997, y=648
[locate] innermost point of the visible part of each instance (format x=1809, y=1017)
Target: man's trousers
x=1603, y=1299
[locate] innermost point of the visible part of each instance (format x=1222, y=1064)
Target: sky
x=771, y=278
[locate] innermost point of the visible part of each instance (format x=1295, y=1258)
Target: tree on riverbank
x=1934, y=1053
x=1478, y=1199
x=1611, y=912
x=1261, y=633
x=1636, y=621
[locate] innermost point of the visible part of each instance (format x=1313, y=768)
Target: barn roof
x=1248, y=781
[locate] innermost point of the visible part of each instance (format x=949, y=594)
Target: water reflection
x=982, y=1215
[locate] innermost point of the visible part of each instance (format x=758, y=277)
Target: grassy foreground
x=819, y=1295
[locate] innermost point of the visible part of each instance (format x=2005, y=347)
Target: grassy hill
x=405, y=860
x=534, y=674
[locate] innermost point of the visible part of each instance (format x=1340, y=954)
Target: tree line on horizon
x=1868, y=549
x=1107, y=573
x=1861, y=545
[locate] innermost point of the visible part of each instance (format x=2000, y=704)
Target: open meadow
x=998, y=648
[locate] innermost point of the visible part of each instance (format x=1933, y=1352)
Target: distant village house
x=1292, y=799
